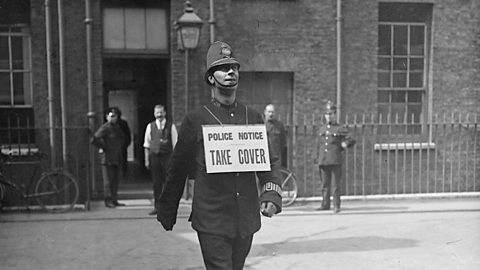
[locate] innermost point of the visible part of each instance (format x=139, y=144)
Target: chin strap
x=223, y=85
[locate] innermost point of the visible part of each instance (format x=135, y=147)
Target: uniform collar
x=218, y=104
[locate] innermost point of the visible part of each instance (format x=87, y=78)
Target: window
x=16, y=113
x=15, y=64
x=132, y=28
x=402, y=67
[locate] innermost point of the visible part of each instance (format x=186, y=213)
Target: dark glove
x=166, y=222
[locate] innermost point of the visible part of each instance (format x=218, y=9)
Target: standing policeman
x=334, y=138
x=226, y=206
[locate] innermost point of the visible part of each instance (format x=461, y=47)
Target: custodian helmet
x=330, y=107
x=219, y=53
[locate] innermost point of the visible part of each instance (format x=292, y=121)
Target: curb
x=420, y=196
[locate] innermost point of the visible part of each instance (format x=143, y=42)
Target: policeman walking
x=226, y=206
x=334, y=138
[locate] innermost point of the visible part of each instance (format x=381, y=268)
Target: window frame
x=124, y=48
x=406, y=124
x=410, y=15
x=27, y=67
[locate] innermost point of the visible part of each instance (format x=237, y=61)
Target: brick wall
x=300, y=36
x=293, y=36
x=76, y=97
x=456, y=61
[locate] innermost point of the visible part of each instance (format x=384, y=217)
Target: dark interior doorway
x=135, y=85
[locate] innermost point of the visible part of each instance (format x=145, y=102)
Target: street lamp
x=188, y=28
x=188, y=33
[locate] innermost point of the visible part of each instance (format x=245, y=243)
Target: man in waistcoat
x=160, y=139
x=226, y=205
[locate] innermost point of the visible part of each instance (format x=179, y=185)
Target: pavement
x=383, y=233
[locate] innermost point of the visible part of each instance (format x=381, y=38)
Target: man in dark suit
x=110, y=139
x=226, y=206
x=128, y=139
x=334, y=138
x=277, y=134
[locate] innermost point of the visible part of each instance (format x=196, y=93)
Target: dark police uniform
x=226, y=206
x=330, y=159
x=223, y=203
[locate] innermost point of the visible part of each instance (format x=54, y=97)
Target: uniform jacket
x=225, y=204
x=329, y=148
x=277, y=138
x=111, y=139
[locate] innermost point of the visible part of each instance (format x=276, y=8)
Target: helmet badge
x=226, y=52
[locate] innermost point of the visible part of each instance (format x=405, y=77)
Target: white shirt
x=160, y=125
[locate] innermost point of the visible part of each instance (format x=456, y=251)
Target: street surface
x=397, y=234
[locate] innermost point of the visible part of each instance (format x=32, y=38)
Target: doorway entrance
x=135, y=86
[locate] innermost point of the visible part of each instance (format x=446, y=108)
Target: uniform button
x=326, y=143
x=238, y=194
x=326, y=150
x=231, y=114
x=326, y=138
x=328, y=126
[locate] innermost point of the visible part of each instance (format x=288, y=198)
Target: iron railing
x=21, y=140
x=443, y=156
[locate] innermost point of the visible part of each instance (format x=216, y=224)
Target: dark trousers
x=158, y=167
x=111, y=178
x=224, y=253
x=331, y=176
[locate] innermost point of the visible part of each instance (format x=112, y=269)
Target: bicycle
x=55, y=191
x=289, y=186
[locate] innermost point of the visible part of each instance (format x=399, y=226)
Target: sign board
x=236, y=148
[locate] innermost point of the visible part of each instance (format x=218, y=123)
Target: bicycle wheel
x=289, y=187
x=56, y=191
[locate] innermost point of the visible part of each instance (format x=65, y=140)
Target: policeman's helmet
x=219, y=53
x=330, y=107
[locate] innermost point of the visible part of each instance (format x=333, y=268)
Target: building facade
x=396, y=61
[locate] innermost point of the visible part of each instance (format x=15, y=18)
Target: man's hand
x=268, y=209
x=147, y=165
